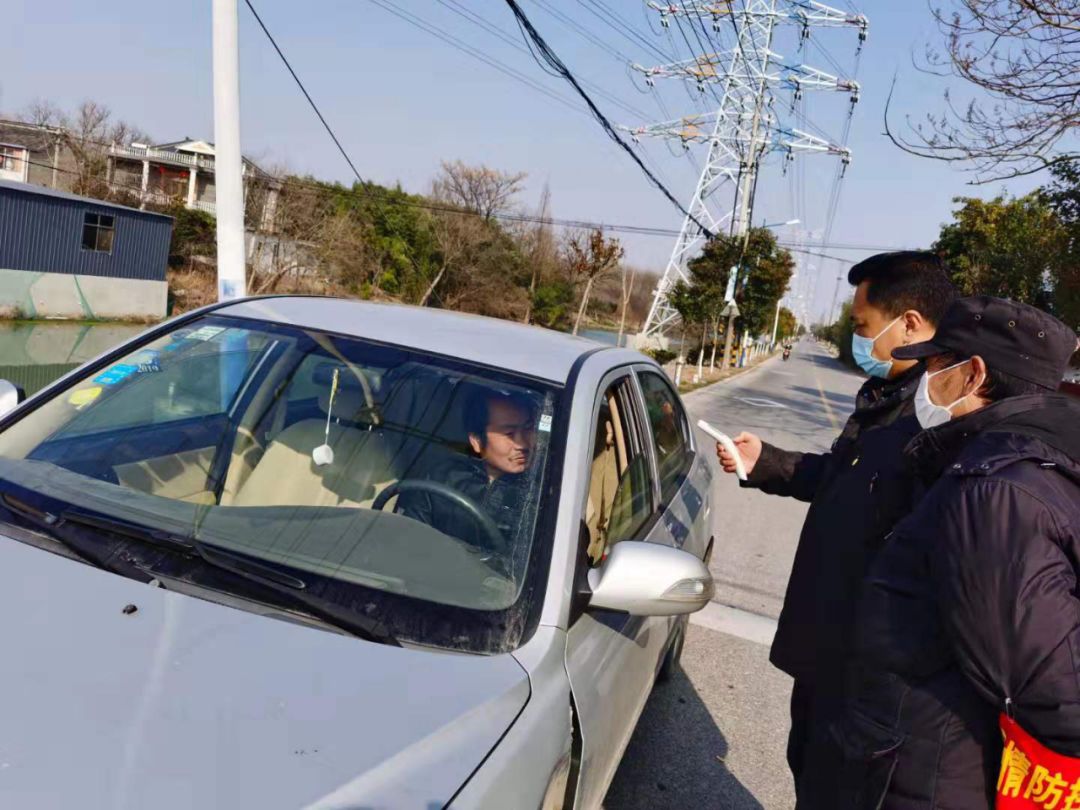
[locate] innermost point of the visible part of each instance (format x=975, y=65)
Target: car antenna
x=324, y=453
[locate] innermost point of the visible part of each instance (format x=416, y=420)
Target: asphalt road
x=714, y=737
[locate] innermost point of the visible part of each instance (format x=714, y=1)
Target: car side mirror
x=647, y=579
x=10, y=397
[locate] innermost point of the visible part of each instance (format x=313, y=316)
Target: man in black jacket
x=501, y=431
x=972, y=608
x=857, y=491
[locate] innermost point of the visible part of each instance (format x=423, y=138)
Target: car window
x=669, y=432
x=186, y=375
x=375, y=468
x=620, y=495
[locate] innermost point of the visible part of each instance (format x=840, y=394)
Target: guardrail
x=162, y=156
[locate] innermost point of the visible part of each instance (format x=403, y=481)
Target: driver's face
x=511, y=438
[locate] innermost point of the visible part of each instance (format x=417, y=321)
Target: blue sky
x=402, y=100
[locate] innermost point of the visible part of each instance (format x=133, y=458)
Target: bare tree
x=484, y=191
x=456, y=234
x=42, y=113
x=591, y=256
x=88, y=133
x=1022, y=57
x=540, y=249
x=308, y=234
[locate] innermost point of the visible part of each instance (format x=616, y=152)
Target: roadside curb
x=738, y=373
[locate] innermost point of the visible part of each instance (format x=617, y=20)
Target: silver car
x=301, y=552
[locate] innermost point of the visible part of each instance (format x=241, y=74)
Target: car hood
x=185, y=703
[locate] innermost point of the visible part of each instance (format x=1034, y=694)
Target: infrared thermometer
x=727, y=444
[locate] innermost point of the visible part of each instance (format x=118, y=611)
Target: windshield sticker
x=545, y=423
x=147, y=361
x=205, y=333
x=84, y=396
x=116, y=374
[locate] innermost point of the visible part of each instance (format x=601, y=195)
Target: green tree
x=1010, y=248
x=692, y=307
x=787, y=326
x=766, y=271
x=1063, y=196
x=839, y=334
x=552, y=303
x=194, y=234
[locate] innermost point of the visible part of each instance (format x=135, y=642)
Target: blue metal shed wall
x=44, y=234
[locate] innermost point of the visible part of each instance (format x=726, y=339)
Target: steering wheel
x=487, y=525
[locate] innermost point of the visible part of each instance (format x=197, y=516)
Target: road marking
x=825, y=400
x=761, y=402
x=739, y=623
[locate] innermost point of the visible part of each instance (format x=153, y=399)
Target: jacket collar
x=1017, y=419
x=878, y=394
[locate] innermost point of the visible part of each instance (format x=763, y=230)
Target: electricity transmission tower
x=746, y=126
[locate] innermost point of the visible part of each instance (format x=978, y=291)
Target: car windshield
x=393, y=483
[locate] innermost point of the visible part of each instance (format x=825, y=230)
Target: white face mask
x=927, y=412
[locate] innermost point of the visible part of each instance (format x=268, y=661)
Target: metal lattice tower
x=745, y=127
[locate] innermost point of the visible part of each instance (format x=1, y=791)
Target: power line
x=477, y=20
x=552, y=59
x=464, y=47
x=623, y=30
x=704, y=59
x=584, y=32
x=303, y=89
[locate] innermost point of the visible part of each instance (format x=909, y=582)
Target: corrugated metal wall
x=44, y=233
x=34, y=378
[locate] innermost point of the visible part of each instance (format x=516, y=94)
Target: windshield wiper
x=293, y=589
x=48, y=522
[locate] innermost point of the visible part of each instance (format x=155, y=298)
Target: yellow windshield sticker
x=84, y=396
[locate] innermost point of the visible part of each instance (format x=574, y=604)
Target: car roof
x=531, y=350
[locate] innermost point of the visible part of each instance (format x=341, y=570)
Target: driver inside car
x=501, y=431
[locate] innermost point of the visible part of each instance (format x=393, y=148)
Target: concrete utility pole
x=228, y=162
x=745, y=127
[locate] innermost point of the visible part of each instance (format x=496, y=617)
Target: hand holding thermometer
x=727, y=444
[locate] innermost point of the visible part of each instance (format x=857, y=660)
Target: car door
x=612, y=658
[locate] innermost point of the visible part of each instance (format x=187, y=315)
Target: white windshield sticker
x=205, y=332
x=545, y=423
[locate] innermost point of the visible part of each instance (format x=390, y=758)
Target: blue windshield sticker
x=147, y=361
x=116, y=374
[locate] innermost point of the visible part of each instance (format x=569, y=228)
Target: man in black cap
x=972, y=608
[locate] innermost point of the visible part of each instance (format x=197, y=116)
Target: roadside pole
x=775, y=324
x=731, y=312
x=227, y=159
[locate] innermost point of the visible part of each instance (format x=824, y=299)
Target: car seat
x=603, y=483
x=287, y=475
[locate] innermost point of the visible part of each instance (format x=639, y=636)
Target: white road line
x=761, y=402
x=735, y=622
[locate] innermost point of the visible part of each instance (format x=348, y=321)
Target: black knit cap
x=1011, y=337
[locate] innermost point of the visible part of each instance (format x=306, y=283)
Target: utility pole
x=744, y=128
x=228, y=163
